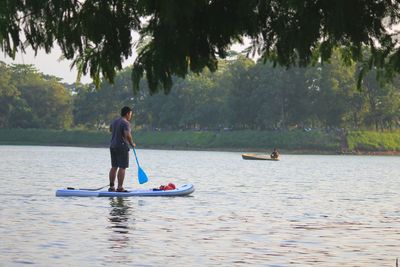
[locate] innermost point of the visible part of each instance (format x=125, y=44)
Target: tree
x=97, y=107
x=30, y=100
x=9, y=94
x=248, y=95
x=333, y=90
x=181, y=36
x=48, y=101
x=383, y=102
x=242, y=110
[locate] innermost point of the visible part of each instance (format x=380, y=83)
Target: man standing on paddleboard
x=119, y=148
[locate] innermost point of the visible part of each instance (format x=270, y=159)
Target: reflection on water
x=122, y=222
x=119, y=214
x=301, y=211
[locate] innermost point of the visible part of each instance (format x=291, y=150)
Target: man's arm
x=128, y=137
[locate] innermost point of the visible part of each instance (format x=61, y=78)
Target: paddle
x=142, y=177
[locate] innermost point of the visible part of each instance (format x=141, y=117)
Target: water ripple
x=301, y=211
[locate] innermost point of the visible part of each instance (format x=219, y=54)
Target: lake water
x=305, y=210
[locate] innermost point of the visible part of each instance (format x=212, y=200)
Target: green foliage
x=179, y=37
x=175, y=139
x=292, y=140
x=29, y=99
x=8, y=94
x=244, y=95
x=97, y=107
x=241, y=95
x=53, y=137
x=243, y=105
x=257, y=140
x=295, y=140
x=374, y=141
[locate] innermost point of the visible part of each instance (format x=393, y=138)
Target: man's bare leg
x=112, y=175
x=121, y=177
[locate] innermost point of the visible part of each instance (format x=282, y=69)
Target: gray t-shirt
x=118, y=127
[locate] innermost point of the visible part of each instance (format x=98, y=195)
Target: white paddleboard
x=183, y=190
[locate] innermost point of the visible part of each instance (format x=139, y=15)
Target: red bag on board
x=170, y=186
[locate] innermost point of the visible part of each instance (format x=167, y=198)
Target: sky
x=51, y=64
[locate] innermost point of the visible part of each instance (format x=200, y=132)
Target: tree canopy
x=180, y=36
x=29, y=99
x=243, y=95
x=240, y=95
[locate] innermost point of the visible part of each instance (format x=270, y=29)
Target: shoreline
x=291, y=142
x=238, y=150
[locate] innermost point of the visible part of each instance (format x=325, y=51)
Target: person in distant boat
x=119, y=148
x=275, y=154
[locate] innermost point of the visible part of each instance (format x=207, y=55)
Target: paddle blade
x=142, y=176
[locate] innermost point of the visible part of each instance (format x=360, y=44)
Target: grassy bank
x=314, y=141
x=373, y=141
x=252, y=140
x=239, y=140
x=53, y=137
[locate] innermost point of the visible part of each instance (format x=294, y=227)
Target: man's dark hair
x=125, y=110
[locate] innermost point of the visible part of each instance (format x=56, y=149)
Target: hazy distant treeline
x=240, y=95
x=29, y=99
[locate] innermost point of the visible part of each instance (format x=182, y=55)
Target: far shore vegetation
x=295, y=141
x=244, y=105
x=322, y=81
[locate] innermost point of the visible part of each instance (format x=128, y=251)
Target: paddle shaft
x=134, y=152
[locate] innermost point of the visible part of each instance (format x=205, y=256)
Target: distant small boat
x=257, y=157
